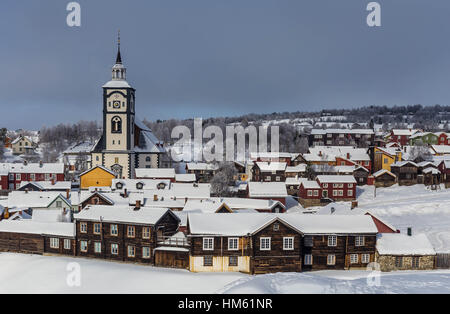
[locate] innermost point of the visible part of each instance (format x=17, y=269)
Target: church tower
x=126, y=143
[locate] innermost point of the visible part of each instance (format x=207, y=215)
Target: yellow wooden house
x=97, y=176
x=385, y=157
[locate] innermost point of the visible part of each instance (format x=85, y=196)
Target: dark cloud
x=212, y=57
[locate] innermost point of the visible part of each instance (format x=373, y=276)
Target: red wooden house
x=309, y=193
x=340, y=188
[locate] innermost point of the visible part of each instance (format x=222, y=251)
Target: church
x=126, y=143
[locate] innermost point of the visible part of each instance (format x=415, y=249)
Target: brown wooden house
x=123, y=233
x=384, y=178
x=406, y=172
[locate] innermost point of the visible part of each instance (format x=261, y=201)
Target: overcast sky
x=190, y=58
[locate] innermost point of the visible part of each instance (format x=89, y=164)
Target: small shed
x=396, y=251
x=384, y=178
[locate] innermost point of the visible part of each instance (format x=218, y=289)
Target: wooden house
x=444, y=168
x=384, y=157
x=397, y=251
x=96, y=177
x=269, y=171
x=338, y=188
x=384, y=178
x=204, y=172
x=443, y=138
x=123, y=233
x=406, y=172
x=361, y=174
x=22, y=145
x=309, y=193
x=268, y=191
x=298, y=171
x=155, y=173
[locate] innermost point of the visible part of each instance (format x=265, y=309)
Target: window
x=316, y=193
x=83, y=246
x=332, y=240
x=288, y=243
x=415, y=262
x=353, y=258
x=58, y=203
x=97, y=228
x=97, y=247
x=116, y=125
x=208, y=244
x=114, y=230
x=276, y=227
x=331, y=259
x=67, y=244
x=54, y=243
x=310, y=193
x=325, y=185
x=350, y=193
x=130, y=231
x=145, y=252
x=233, y=244
x=308, y=241
x=207, y=261
x=264, y=244
x=398, y=261
x=139, y=185
x=232, y=261
x=308, y=259
x=365, y=258
x=18, y=176
x=146, y=232
x=32, y=177
x=359, y=241
x=114, y=249
x=147, y=159
x=131, y=251
x=350, y=185
x=83, y=227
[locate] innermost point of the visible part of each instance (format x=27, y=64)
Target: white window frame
x=332, y=240
x=359, y=240
x=131, y=234
x=83, y=227
x=331, y=259
x=233, y=244
x=67, y=244
x=83, y=246
x=354, y=258
x=114, y=230
x=288, y=243
x=263, y=245
x=145, y=232
x=365, y=258
x=308, y=259
x=208, y=244
x=349, y=192
x=114, y=249
x=131, y=251
x=97, y=247
x=99, y=228
x=145, y=252
x=54, y=243
x=310, y=193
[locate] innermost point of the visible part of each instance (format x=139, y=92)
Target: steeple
x=119, y=57
x=118, y=70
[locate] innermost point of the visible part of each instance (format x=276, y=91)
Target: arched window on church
x=116, y=125
x=147, y=158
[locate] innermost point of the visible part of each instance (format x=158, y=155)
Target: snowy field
x=415, y=206
x=47, y=274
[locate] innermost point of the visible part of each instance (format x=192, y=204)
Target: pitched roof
x=100, y=167
x=336, y=179
x=271, y=166
x=267, y=189
x=402, y=244
x=383, y=171
x=29, y=226
x=168, y=173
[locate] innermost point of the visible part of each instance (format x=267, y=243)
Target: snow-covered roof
x=185, y=177
x=441, y=149
x=101, y=167
x=404, y=163
x=201, y=166
x=81, y=147
x=294, y=181
x=407, y=132
x=271, y=166
x=28, y=226
x=267, y=189
x=182, y=190
x=235, y=203
x=160, y=173
x=342, y=131
x=122, y=214
x=147, y=184
x=270, y=155
x=32, y=199
x=298, y=168
x=431, y=170
x=50, y=215
x=402, y=244
x=34, y=167
x=383, y=171
x=48, y=185
x=117, y=84
x=310, y=184
x=336, y=179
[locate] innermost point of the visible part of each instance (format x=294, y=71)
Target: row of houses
x=221, y=242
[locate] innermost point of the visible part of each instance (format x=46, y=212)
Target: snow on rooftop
x=33, y=227
x=168, y=173
x=33, y=168
x=267, y=189
x=383, y=171
x=402, y=244
x=148, y=216
x=32, y=199
x=298, y=168
x=201, y=166
x=48, y=185
x=271, y=166
x=336, y=179
x=185, y=177
x=117, y=84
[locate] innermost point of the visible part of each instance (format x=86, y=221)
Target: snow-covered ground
x=48, y=274
x=424, y=210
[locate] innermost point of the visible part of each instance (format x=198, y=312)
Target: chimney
x=409, y=231
x=25, y=162
x=41, y=163
x=320, y=153
x=53, y=181
x=138, y=205
x=155, y=197
x=125, y=193
x=348, y=155
x=6, y=213
x=67, y=193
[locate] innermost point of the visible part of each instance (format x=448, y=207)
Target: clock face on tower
x=116, y=104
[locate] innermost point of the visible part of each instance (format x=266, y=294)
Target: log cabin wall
x=277, y=259
x=21, y=243
x=62, y=249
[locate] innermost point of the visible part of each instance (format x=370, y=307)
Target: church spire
x=119, y=57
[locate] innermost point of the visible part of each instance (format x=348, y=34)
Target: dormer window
x=119, y=185
x=139, y=185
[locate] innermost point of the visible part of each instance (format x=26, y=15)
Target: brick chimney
x=67, y=193
x=138, y=205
